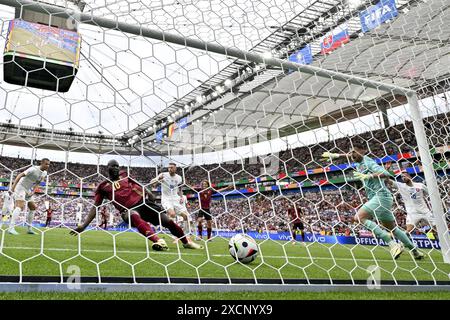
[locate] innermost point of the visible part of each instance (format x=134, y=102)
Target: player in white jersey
x=23, y=188
x=172, y=198
x=414, y=196
x=8, y=204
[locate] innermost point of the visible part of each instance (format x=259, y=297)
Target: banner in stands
x=302, y=56
x=375, y=15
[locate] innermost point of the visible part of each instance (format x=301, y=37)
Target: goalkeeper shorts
x=380, y=207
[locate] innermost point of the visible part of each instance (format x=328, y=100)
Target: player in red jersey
x=205, y=197
x=104, y=214
x=135, y=204
x=297, y=224
x=49, y=216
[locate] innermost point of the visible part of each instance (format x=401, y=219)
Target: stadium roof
x=410, y=51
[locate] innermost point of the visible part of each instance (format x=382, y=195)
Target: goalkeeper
x=379, y=205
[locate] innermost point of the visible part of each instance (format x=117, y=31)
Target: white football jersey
x=414, y=197
x=170, y=186
x=33, y=176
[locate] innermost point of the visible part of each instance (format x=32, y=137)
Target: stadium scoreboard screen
x=33, y=46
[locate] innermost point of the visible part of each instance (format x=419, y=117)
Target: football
x=243, y=248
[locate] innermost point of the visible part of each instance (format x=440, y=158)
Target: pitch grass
x=180, y=296
x=128, y=254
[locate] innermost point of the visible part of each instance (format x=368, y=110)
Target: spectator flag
x=334, y=39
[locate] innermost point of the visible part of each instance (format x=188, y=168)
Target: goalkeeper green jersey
x=375, y=186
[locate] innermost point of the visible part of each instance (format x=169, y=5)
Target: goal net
x=320, y=129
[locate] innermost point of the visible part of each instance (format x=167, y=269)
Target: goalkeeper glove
x=362, y=176
x=329, y=155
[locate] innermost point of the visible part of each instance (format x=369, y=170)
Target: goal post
x=147, y=97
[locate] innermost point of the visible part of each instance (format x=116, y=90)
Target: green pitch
x=182, y=296
x=128, y=254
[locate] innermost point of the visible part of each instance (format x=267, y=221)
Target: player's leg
x=387, y=218
x=365, y=215
x=152, y=213
x=294, y=234
x=30, y=216
x=19, y=196
x=145, y=229
x=209, y=226
x=302, y=232
x=429, y=218
x=181, y=210
x=403, y=237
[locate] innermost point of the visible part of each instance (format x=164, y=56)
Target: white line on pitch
x=213, y=255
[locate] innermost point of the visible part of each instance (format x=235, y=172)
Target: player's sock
x=143, y=227
x=200, y=230
x=294, y=235
x=377, y=231
x=401, y=235
x=14, y=216
x=30, y=216
x=209, y=231
x=187, y=227
x=176, y=231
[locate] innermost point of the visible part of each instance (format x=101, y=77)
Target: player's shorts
x=175, y=205
x=22, y=194
x=380, y=207
x=413, y=219
x=298, y=226
x=205, y=213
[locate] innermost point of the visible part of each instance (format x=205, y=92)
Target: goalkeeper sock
x=401, y=235
x=377, y=231
x=14, y=216
x=143, y=227
x=30, y=216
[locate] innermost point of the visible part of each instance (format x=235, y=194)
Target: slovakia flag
x=334, y=39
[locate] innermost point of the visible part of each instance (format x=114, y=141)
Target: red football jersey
x=49, y=213
x=125, y=192
x=294, y=215
x=205, y=199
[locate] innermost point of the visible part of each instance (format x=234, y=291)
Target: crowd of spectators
x=324, y=211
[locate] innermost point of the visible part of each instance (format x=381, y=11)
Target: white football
x=243, y=248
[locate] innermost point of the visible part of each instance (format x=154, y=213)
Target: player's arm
x=90, y=217
x=229, y=187
x=329, y=155
x=375, y=172
x=98, y=200
x=16, y=181
x=156, y=180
